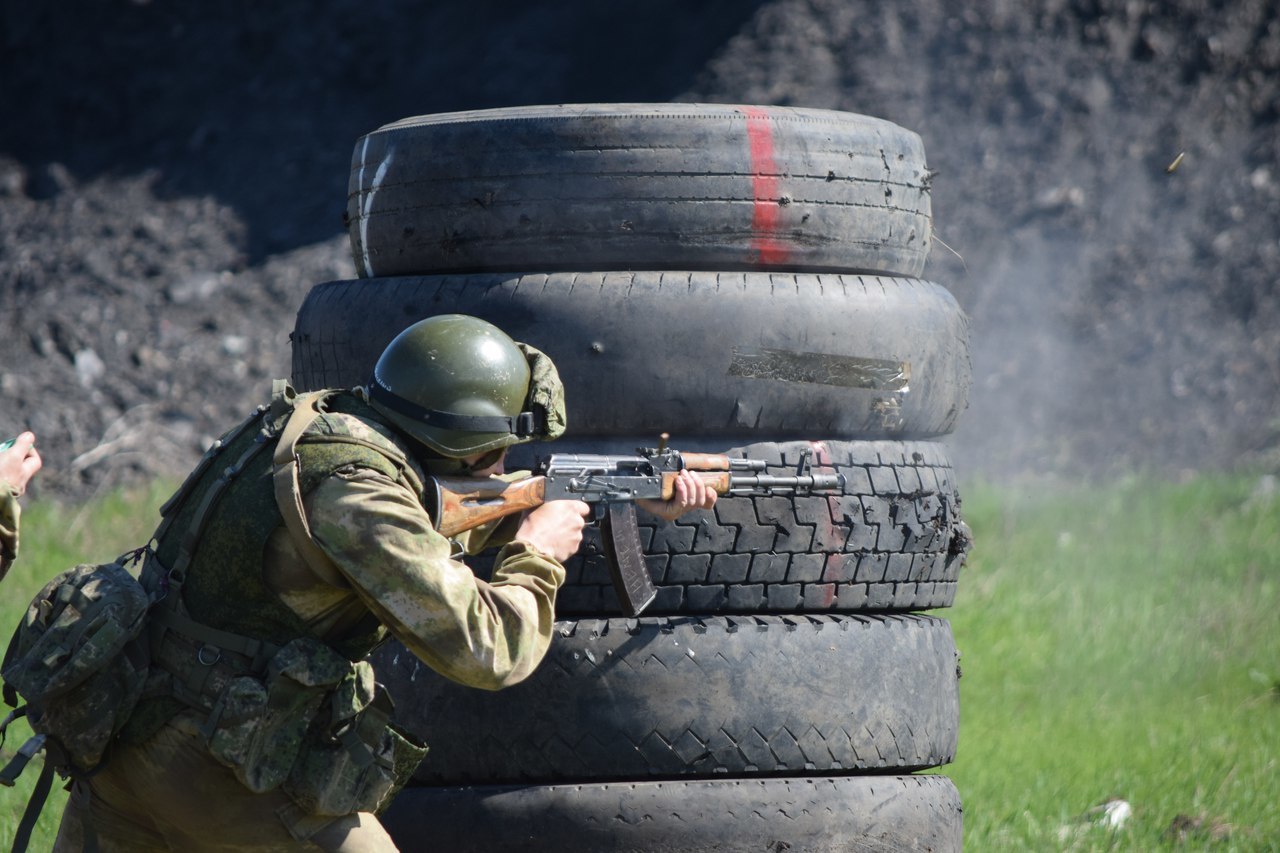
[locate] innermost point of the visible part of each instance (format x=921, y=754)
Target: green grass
x=1121, y=641
x=55, y=538
x=1118, y=641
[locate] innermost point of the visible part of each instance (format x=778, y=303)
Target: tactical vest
x=283, y=709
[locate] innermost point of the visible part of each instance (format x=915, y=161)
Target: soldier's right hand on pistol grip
x=555, y=528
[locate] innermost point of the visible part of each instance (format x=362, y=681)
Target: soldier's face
x=488, y=464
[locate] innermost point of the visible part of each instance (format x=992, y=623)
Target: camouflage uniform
x=10, y=511
x=162, y=789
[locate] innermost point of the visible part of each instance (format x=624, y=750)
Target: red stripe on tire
x=764, y=181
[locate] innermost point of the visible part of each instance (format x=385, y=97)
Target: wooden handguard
x=705, y=461
x=719, y=482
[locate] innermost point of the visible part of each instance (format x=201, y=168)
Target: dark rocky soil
x=172, y=179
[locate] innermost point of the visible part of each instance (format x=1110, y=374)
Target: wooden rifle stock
x=462, y=504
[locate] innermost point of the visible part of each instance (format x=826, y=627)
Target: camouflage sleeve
x=484, y=634
x=10, y=511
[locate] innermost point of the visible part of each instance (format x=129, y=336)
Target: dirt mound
x=175, y=180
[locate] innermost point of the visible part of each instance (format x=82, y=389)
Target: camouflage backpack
x=78, y=660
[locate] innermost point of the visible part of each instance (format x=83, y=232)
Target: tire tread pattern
x=870, y=814
x=696, y=697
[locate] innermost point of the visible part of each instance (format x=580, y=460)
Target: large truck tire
x=774, y=355
x=665, y=698
x=639, y=186
x=875, y=814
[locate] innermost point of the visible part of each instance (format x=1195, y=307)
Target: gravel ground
x=172, y=182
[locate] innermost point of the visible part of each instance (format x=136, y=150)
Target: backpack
x=78, y=660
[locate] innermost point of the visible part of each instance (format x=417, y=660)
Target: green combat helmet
x=461, y=386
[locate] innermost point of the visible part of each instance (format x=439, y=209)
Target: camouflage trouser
x=170, y=794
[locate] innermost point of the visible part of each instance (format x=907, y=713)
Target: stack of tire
x=744, y=279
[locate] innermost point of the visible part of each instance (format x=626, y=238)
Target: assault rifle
x=612, y=485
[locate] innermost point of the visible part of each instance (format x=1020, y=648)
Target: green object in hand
x=7, y=444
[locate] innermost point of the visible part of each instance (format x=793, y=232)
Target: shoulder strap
x=39, y=794
x=285, y=478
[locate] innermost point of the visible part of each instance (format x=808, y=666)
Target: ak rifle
x=611, y=485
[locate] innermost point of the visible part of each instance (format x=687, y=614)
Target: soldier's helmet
x=462, y=386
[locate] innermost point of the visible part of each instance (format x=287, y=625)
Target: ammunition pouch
x=355, y=758
x=315, y=725
x=258, y=723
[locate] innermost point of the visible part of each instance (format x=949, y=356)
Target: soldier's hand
x=555, y=528
x=691, y=492
x=20, y=462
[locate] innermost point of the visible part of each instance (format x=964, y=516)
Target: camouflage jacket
x=386, y=569
x=392, y=563
x=10, y=511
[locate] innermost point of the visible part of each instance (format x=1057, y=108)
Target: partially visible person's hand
x=691, y=492
x=555, y=528
x=20, y=462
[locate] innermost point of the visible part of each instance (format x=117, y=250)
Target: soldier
x=260, y=727
x=18, y=464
